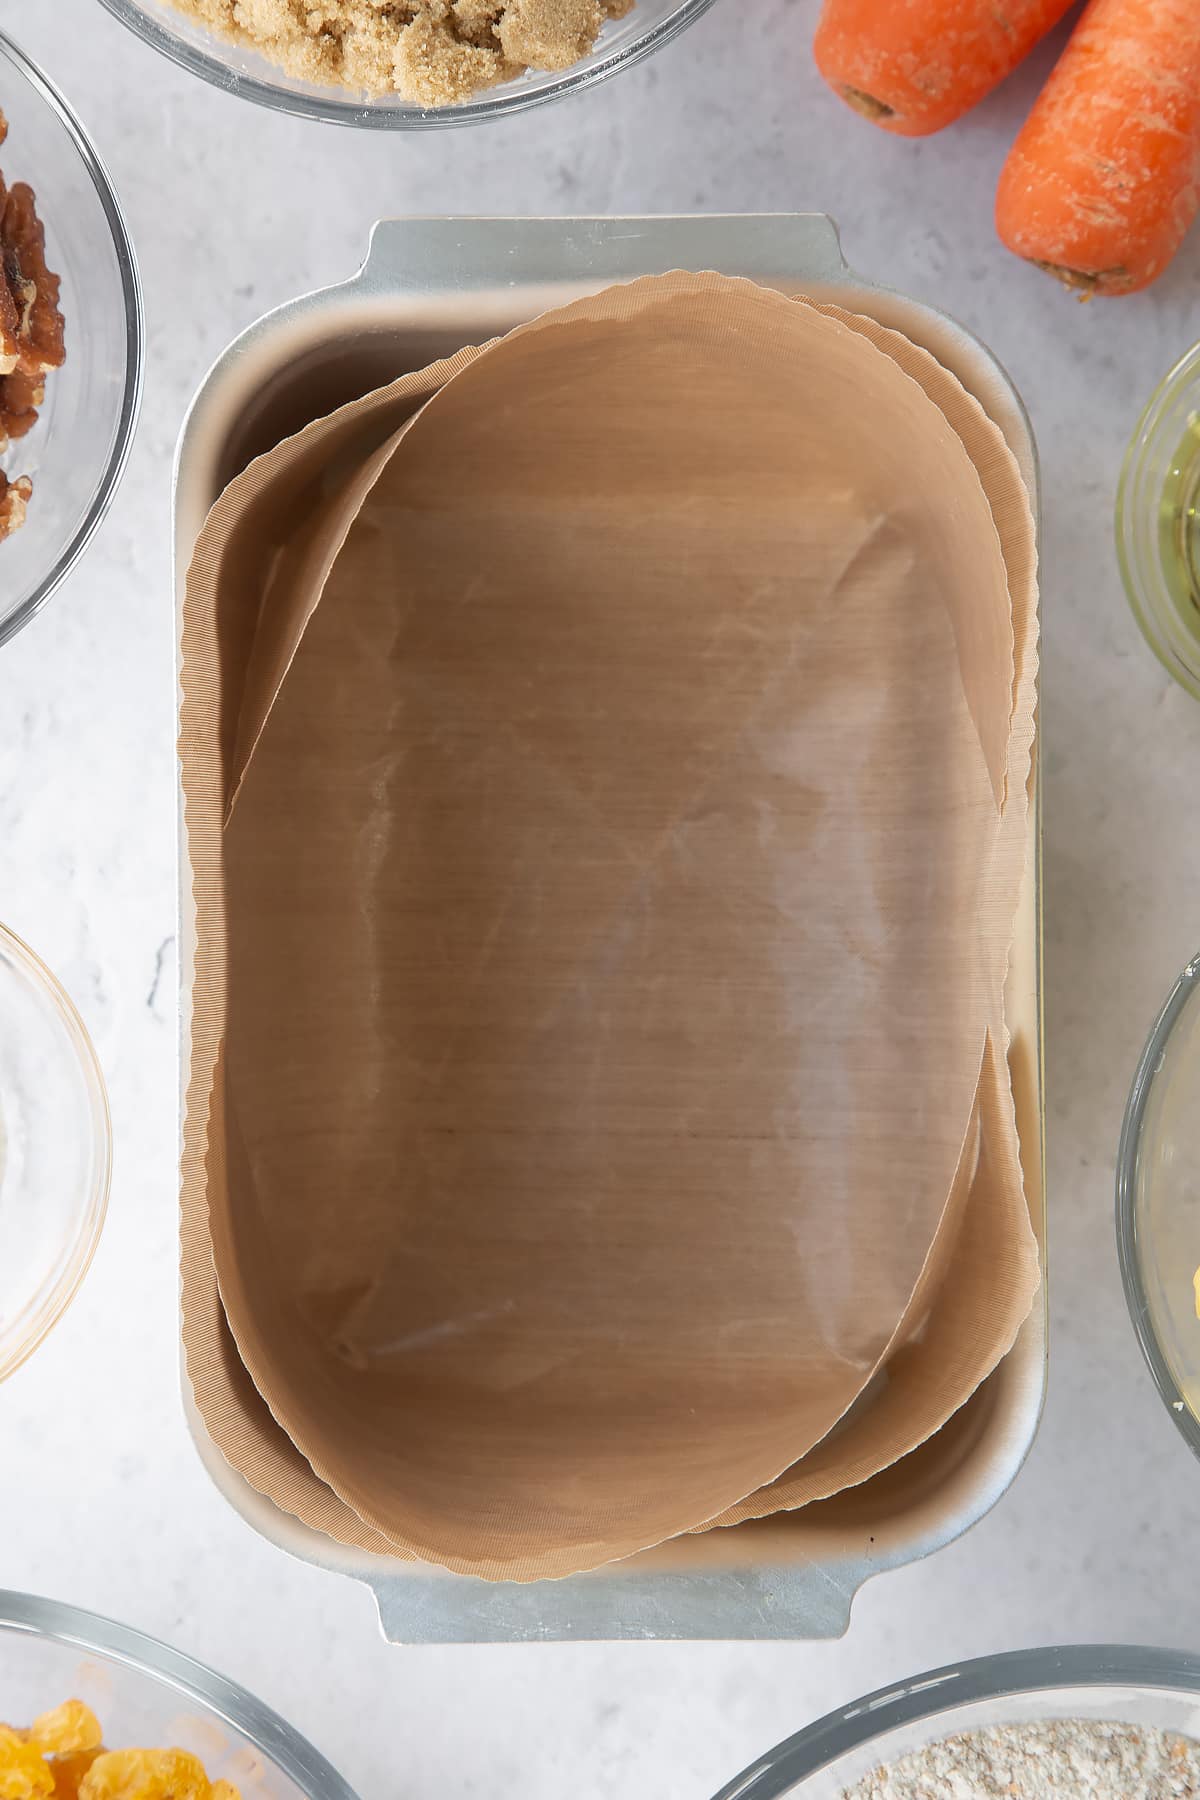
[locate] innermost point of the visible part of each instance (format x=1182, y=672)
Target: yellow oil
x=1179, y=528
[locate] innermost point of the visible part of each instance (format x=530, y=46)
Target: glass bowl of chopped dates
x=70, y=340
x=407, y=65
x=1087, y=1722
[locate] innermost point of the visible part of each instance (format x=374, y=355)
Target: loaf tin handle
x=802, y=1601
x=471, y=256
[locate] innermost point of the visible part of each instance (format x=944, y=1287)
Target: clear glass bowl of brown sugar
x=177, y=29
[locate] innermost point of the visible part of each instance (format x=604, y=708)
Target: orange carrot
x=1104, y=179
x=913, y=66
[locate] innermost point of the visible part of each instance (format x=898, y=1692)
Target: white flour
x=1063, y=1759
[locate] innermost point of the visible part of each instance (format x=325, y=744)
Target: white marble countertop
x=103, y=1501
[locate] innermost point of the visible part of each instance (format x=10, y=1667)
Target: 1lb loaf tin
x=427, y=287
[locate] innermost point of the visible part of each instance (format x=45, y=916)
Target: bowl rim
x=299, y=1760
x=83, y=1249
x=505, y=102
x=134, y=340
x=1185, y=991
x=999, y=1677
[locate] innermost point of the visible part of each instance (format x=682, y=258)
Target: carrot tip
x=866, y=104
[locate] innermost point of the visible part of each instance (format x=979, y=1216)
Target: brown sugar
x=430, y=52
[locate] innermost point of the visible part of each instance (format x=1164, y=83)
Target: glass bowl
x=76, y=452
x=1128, y=1684
x=55, y=1152
x=238, y=70
x=148, y=1696
x=1158, y=522
x=1158, y=1203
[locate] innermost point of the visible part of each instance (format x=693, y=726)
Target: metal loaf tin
x=427, y=287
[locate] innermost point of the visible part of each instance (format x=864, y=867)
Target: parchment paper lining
x=258, y=1451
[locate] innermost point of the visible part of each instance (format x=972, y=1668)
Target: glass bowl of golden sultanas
x=55, y=1152
x=1158, y=1203
x=70, y=340
x=1158, y=522
x=176, y=1730
x=495, y=58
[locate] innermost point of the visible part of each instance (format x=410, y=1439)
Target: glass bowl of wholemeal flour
x=1088, y=1722
x=410, y=65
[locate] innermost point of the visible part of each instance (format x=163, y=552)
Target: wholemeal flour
x=1060, y=1759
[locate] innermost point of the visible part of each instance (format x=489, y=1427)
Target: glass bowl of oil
x=1158, y=522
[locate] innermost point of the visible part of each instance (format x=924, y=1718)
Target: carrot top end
x=864, y=103
x=1085, y=282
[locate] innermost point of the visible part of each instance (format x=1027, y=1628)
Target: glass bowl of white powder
x=55, y=1151
x=1087, y=1722
x=1158, y=1203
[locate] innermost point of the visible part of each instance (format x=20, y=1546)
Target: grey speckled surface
x=233, y=210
